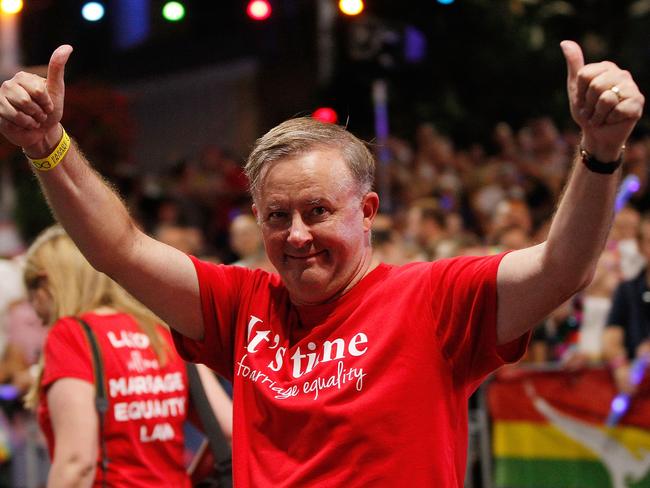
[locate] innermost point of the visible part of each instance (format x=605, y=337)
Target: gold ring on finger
x=617, y=92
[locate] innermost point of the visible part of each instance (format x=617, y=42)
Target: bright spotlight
x=92, y=11
x=259, y=9
x=173, y=11
x=351, y=7
x=11, y=6
x=325, y=114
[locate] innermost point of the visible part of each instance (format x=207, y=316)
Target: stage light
x=326, y=114
x=351, y=7
x=446, y=2
x=92, y=11
x=259, y=9
x=11, y=6
x=173, y=11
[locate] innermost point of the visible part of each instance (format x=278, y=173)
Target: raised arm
x=160, y=276
x=606, y=103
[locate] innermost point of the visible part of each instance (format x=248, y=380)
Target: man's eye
x=274, y=216
x=318, y=211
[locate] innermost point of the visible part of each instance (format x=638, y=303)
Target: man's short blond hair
x=302, y=135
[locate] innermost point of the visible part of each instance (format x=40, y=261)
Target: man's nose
x=299, y=233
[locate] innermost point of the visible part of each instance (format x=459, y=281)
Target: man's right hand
x=31, y=107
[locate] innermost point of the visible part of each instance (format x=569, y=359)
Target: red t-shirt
x=369, y=390
x=143, y=427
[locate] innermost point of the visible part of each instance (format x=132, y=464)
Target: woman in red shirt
x=140, y=441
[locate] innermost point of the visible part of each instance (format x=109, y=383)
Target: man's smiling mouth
x=305, y=257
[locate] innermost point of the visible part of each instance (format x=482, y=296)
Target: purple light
x=415, y=45
x=446, y=202
x=629, y=186
x=8, y=392
x=638, y=370
x=620, y=404
x=133, y=22
x=634, y=185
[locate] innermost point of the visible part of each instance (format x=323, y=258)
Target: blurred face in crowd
x=245, y=236
x=40, y=298
x=514, y=238
x=315, y=224
x=512, y=213
x=626, y=224
x=186, y=239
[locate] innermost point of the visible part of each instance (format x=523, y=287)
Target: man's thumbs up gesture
x=31, y=106
x=605, y=102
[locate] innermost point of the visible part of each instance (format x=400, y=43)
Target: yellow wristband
x=55, y=157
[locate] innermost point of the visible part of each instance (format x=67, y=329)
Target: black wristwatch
x=596, y=166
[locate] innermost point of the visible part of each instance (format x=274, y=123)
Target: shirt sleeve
x=465, y=309
x=220, y=287
x=67, y=354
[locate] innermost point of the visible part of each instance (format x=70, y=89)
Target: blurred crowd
x=445, y=201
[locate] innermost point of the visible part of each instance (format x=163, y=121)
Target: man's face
x=315, y=224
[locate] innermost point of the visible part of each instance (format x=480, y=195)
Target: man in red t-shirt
x=347, y=372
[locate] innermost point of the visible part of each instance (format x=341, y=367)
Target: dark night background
x=486, y=60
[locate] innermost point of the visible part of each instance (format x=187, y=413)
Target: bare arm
x=160, y=276
x=219, y=400
x=614, y=344
x=533, y=281
x=71, y=403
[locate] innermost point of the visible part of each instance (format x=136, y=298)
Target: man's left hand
x=605, y=102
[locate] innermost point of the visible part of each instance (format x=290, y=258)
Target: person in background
x=624, y=239
x=185, y=238
x=627, y=335
x=387, y=244
x=25, y=337
x=141, y=433
x=596, y=301
x=246, y=242
x=11, y=291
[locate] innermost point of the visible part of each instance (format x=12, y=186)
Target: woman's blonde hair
x=76, y=288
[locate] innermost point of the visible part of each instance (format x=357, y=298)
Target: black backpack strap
x=101, y=400
x=218, y=442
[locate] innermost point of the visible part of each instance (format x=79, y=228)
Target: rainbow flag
x=548, y=431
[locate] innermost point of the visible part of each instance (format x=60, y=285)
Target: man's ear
x=254, y=209
x=370, y=207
